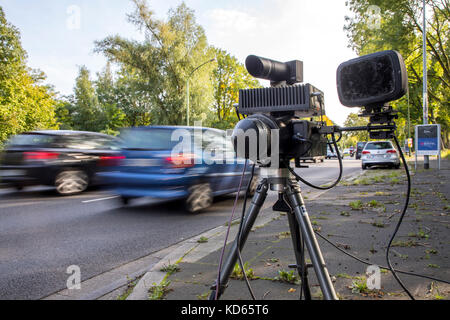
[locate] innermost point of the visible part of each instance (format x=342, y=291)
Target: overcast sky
x=311, y=31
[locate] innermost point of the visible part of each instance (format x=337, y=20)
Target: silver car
x=380, y=153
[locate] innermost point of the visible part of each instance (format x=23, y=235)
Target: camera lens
x=264, y=68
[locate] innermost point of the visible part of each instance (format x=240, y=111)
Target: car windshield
x=361, y=145
x=378, y=145
x=167, y=139
x=41, y=140
x=148, y=139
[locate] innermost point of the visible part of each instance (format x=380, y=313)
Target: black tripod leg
x=294, y=196
x=249, y=220
x=299, y=253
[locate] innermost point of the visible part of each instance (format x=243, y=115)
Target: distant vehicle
x=68, y=160
x=150, y=169
x=331, y=154
x=313, y=159
x=380, y=153
x=346, y=153
x=359, y=148
x=352, y=151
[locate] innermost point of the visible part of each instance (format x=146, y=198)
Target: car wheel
x=125, y=200
x=71, y=182
x=253, y=186
x=200, y=197
x=364, y=167
x=397, y=166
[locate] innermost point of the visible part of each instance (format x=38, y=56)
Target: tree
x=353, y=137
x=107, y=94
x=229, y=77
x=133, y=97
x=400, y=28
x=164, y=61
x=83, y=106
x=25, y=104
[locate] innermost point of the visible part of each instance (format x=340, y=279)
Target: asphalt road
x=42, y=234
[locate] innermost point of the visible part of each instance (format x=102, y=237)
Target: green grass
x=378, y=179
x=360, y=286
x=203, y=296
x=374, y=204
x=287, y=276
x=239, y=275
x=171, y=269
x=130, y=286
x=356, y=205
x=284, y=235
x=409, y=243
x=419, y=234
x=202, y=240
x=158, y=291
x=233, y=223
x=361, y=181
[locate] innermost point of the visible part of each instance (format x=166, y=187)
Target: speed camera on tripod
x=279, y=108
x=370, y=82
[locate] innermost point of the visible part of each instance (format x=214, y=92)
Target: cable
x=405, y=207
x=237, y=112
x=238, y=244
x=371, y=264
x=319, y=187
x=228, y=232
x=394, y=271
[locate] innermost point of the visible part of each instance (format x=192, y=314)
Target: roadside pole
x=426, y=159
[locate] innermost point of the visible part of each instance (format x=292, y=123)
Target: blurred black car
x=68, y=160
x=359, y=148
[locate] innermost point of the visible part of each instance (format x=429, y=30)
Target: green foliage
x=352, y=138
x=202, y=240
x=25, y=104
x=356, y=205
x=400, y=28
x=360, y=286
x=228, y=78
x=150, y=85
x=287, y=276
x=238, y=274
x=160, y=66
x=158, y=291
x=171, y=269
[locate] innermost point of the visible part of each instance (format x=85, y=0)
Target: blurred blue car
x=170, y=162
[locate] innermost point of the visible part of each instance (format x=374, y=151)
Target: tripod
x=290, y=201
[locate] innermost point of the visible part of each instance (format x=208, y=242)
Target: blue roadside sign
x=428, y=139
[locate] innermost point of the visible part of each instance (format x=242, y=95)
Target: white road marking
x=101, y=199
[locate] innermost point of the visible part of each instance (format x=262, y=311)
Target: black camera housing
x=372, y=80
